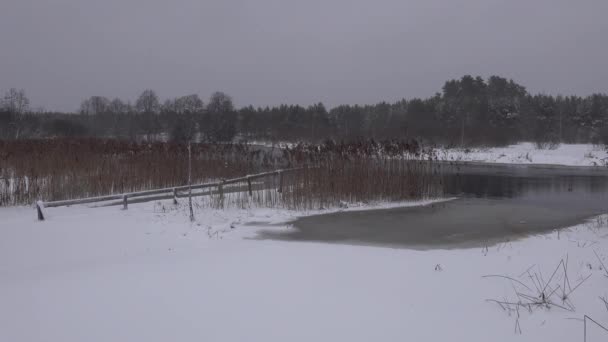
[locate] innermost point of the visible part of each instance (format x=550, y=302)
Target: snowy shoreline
x=148, y=274
x=521, y=153
x=527, y=153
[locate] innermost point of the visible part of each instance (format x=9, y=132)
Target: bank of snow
x=147, y=274
x=528, y=153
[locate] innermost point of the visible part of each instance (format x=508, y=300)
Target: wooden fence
x=166, y=193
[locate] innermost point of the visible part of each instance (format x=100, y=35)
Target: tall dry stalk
x=190, y=181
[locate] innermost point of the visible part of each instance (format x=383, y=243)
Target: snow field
x=148, y=274
x=527, y=153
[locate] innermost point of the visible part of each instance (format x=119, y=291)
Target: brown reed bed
x=73, y=168
x=363, y=171
x=337, y=181
x=336, y=175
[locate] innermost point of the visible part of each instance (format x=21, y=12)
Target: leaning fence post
x=249, y=186
x=280, y=189
x=221, y=190
x=125, y=203
x=39, y=207
x=174, y=196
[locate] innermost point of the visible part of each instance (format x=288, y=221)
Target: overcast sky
x=268, y=52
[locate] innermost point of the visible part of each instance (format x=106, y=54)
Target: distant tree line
x=470, y=111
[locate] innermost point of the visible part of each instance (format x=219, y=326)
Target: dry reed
x=58, y=169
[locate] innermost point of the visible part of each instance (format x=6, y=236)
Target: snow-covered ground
x=521, y=153
x=527, y=153
x=148, y=274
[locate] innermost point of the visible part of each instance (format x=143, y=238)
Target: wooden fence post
x=249, y=186
x=39, y=207
x=172, y=192
x=221, y=190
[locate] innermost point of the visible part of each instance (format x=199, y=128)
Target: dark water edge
x=496, y=203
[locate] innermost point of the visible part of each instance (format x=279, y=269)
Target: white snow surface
x=521, y=153
x=148, y=274
x=528, y=153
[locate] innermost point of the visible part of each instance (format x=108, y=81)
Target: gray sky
x=268, y=52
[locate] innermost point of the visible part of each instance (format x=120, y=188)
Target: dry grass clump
x=363, y=171
x=532, y=292
x=361, y=180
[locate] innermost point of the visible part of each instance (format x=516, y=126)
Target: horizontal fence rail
x=165, y=193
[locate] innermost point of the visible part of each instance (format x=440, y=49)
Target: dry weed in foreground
x=534, y=293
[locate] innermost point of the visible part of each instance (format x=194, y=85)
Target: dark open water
x=496, y=203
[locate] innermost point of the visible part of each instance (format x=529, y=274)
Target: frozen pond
x=496, y=203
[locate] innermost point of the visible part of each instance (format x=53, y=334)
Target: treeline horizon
x=470, y=111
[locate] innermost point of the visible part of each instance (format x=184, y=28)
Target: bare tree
x=117, y=106
x=16, y=101
x=189, y=104
x=220, y=103
x=169, y=106
x=95, y=105
x=220, y=123
x=148, y=102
